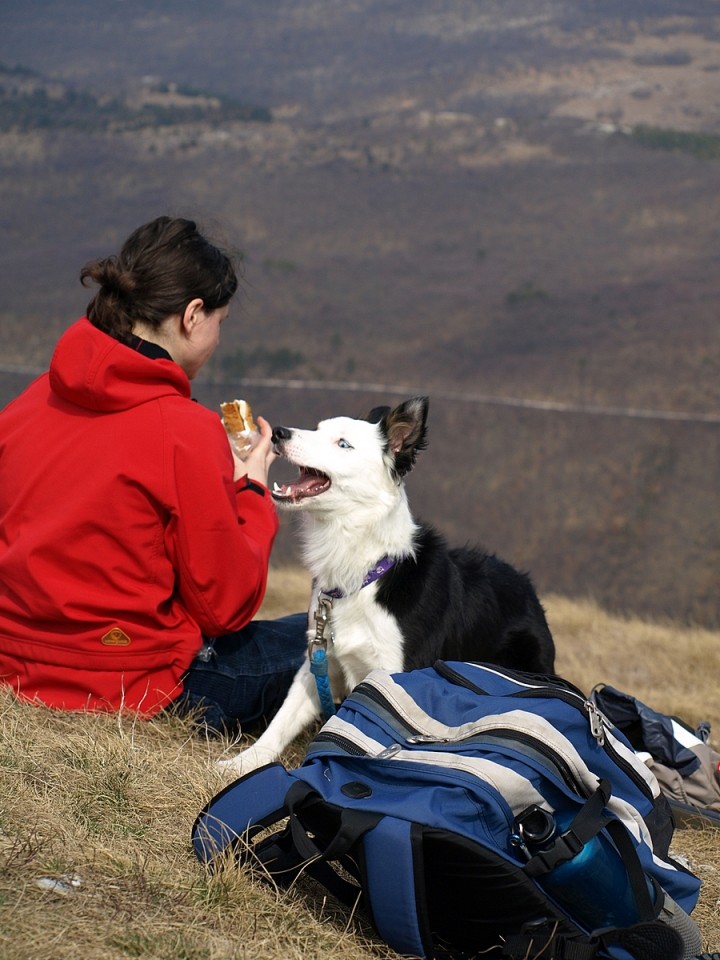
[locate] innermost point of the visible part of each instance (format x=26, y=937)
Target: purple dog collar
x=381, y=567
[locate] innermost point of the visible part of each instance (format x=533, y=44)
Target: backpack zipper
x=492, y=735
x=371, y=693
x=416, y=737
x=568, y=694
x=563, y=688
x=499, y=736
x=325, y=736
x=565, y=692
x=541, y=680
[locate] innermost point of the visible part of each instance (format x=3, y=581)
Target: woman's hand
x=257, y=462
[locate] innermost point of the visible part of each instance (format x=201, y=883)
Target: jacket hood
x=93, y=370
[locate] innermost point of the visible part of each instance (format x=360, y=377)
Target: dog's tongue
x=309, y=484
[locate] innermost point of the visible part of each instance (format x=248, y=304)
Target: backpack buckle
x=535, y=832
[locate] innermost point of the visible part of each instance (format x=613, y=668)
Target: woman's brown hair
x=162, y=266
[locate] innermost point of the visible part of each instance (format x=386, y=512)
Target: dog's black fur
x=465, y=604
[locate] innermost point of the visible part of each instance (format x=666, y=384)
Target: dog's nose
x=280, y=433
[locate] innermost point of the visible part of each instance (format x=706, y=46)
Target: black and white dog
x=387, y=594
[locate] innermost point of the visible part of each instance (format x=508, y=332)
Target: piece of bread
x=238, y=421
x=237, y=417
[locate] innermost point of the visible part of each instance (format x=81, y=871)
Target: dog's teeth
x=276, y=487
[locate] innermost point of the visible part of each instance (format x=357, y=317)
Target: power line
x=482, y=399
x=552, y=406
x=22, y=369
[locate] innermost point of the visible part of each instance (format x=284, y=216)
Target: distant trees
x=30, y=102
x=43, y=109
x=526, y=291
x=705, y=146
x=261, y=361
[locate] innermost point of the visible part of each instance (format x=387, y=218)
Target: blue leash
x=317, y=648
x=319, y=669
x=317, y=652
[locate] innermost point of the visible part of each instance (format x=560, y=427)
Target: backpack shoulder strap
x=392, y=864
x=241, y=810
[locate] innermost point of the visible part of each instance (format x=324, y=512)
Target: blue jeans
x=243, y=677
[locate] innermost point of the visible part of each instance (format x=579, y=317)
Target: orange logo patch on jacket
x=115, y=638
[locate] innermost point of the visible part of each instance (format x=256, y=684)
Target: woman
x=129, y=531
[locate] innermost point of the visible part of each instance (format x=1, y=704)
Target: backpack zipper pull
x=597, y=724
x=420, y=738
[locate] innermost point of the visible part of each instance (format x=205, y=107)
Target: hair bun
x=113, y=277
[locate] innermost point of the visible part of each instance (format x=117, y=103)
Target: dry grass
x=111, y=802
x=673, y=668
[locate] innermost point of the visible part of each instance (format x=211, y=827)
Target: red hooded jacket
x=123, y=538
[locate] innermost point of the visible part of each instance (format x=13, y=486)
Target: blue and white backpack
x=470, y=808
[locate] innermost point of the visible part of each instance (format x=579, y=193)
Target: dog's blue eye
x=344, y=444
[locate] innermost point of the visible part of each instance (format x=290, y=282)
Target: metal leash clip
x=322, y=620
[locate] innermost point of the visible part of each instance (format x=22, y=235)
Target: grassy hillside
x=105, y=806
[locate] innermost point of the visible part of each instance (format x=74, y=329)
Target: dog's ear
x=406, y=430
x=376, y=414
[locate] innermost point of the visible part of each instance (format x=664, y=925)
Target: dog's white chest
x=365, y=637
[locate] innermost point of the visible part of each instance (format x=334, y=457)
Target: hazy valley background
x=510, y=206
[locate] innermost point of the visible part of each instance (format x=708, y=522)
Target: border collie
x=388, y=593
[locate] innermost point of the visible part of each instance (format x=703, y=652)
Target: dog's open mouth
x=309, y=483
